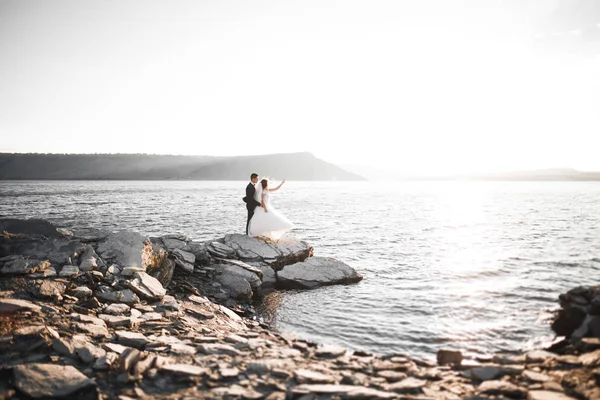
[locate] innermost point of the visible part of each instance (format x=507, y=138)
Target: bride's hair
x=264, y=183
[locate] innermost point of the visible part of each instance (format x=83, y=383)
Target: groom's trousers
x=250, y=214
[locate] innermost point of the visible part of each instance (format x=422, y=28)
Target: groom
x=251, y=203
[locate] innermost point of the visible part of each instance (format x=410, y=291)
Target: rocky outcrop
x=579, y=315
x=315, y=272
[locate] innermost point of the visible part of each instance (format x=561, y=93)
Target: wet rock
x=19, y=265
x=132, y=339
x=10, y=306
x=330, y=352
x=502, y=388
x=49, y=380
x=49, y=289
x=308, y=376
x=122, y=296
x=315, y=272
x=566, y=321
x=147, y=287
x=449, y=357
x=68, y=271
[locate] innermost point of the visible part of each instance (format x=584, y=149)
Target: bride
x=267, y=221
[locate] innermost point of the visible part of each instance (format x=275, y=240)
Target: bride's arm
x=262, y=202
x=277, y=188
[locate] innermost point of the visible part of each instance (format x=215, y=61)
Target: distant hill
x=294, y=166
x=564, y=174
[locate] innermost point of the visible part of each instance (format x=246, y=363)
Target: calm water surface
x=475, y=265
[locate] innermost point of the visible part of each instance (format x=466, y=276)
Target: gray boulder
x=58, y=251
x=232, y=273
x=184, y=260
x=315, y=272
x=127, y=249
x=90, y=260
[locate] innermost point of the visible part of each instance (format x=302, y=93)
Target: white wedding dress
x=271, y=224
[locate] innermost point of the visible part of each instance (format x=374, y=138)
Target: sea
x=475, y=266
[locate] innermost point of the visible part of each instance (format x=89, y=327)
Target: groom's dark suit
x=251, y=203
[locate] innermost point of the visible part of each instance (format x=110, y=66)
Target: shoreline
x=118, y=315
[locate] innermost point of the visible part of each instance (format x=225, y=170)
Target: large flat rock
x=277, y=254
x=315, y=272
x=127, y=249
x=59, y=251
x=29, y=227
x=51, y=381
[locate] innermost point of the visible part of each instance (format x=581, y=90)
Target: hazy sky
x=430, y=85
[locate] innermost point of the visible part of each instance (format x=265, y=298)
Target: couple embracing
x=263, y=219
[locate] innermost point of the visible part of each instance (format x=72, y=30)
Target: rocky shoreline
x=89, y=314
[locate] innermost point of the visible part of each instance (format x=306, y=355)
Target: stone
x=236, y=287
x=10, y=306
x=284, y=252
x=89, y=353
x=114, y=348
x=152, y=316
x=45, y=274
x=590, y=359
x=90, y=260
x=170, y=303
x=105, y=362
x=199, y=311
x=92, y=329
x=308, y=376
x=147, y=287
x=502, y=388
x=184, y=369
x=51, y=289
x=132, y=339
x=263, y=366
x=182, y=349
x=547, y=395
x=114, y=321
x=269, y=278
x=538, y=356
x=116, y=309
x=392, y=376
x=128, y=359
x=229, y=372
x=315, y=272
x=81, y=292
x=122, y=296
x=330, y=352
x=51, y=381
x=185, y=256
x=535, y=376
x=68, y=271
x=408, y=385
x=144, y=365
x=172, y=244
x=230, y=313
x=452, y=357
x=236, y=276
x=566, y=321
x=130, y=271
x=343, y=391
x=64, y=347
x=219, y=349
x=221, y=250
x=57, y=251
x=490, y=373
x=19, y=265
x=127, y=249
